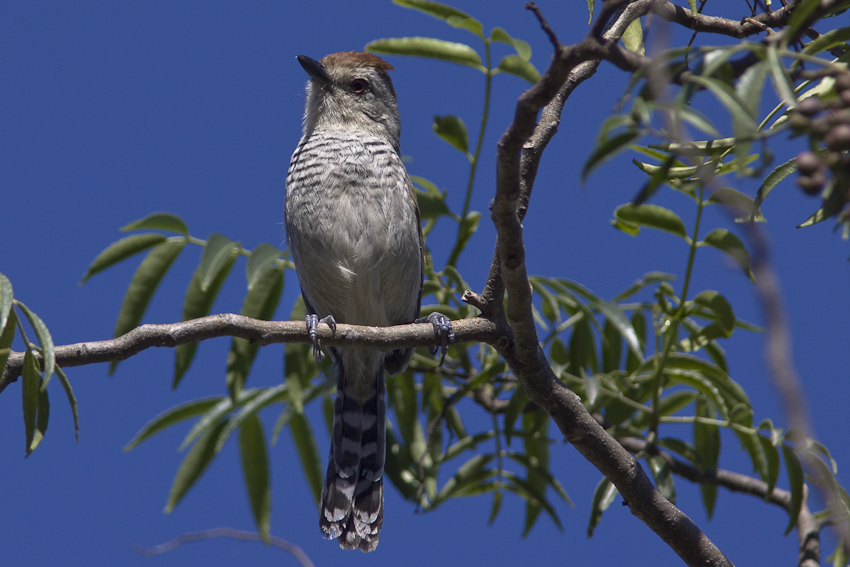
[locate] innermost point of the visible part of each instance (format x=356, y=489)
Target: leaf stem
x=461, y=229
x=672, y=331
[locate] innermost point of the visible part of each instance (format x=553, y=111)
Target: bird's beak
x=315, y=69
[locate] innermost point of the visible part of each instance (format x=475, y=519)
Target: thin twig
x=231, y=533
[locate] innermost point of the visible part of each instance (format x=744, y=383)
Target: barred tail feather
x=353, y=496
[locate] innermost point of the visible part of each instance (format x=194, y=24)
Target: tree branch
x=256, y=331
x=232, y=533
x=723, y=26
x=525, y=356
x=808, y=527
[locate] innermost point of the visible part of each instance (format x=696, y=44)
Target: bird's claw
x=442, y=332
x=313, y=321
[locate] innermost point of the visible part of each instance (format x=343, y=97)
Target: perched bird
x=352, y=224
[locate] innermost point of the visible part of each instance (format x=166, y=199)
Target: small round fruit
x=808, y=163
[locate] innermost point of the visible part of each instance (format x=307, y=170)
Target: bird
x=353, y=228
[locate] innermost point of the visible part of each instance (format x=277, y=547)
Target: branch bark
x=808, y=527
x=254, y=330
x=524, y=354
x=723, y=26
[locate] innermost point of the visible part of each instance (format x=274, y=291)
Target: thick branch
x=256, y=331
x=808, y=527
x=723, y=26
x=526, y=357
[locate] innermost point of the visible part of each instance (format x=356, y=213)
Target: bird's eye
x=359, y=86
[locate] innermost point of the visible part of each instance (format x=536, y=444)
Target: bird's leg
x=442, y=332
x=312, y=325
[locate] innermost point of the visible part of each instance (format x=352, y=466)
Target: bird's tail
x=353, y=496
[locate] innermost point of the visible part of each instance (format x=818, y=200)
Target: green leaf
x=725, y=241
x=633, y=37
x=667, y=405
x=680, y=447
x=265, y=397
x=663, y=477
x=308, y=452
x=29, y=396
x=698, y=120
x=173, y=416
x=678, y=172
x=470, y=227
x=212, y=416
x=796, y=479
x=72, y=400
x=799, y=17
x=603, y=496
x=471, y=471
x=741, y=206
x=616, y=317
x=497, y=505
x=121, y=250
x=467, y=23
x=198, y=302
x=7, y=335
x=833, y=204
x=516, y=405
x=751, y=85
x=607, y=149
x=428, y=47
x=771, y=454
x=255, y=469
x=533, y=463
x=828, y=40
x=440, y=11
x=774, y=177
x=534, y=502
x=582, y=349
x=707, y=448
x=45, y=341
x=43, y=416
x=262, y=257
x=652, y=216
x=590, y=11
x=738, y=108
x=784, y=86
x=654, y=182
x=432, y=204
x=159, y=221
x=522, y=47
x=194, y=465
x=536, y=441
x=519, y=67
x=6, y=297
x=692, y=4
x=452, y=130
x=718, y=304
x=260, y=303
x=612, y=346
x=731, y=391
x=638, y=323
x=702, y=148
x=143, y=285
x=218, y=252
x=647, y=279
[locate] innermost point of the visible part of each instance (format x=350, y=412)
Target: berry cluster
x=826, y=122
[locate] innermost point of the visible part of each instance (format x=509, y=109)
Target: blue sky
x=110, y=111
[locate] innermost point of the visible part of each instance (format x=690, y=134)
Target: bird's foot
x=442, y=332
x=312, y=326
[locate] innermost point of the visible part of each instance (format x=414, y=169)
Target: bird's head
x=351, y=91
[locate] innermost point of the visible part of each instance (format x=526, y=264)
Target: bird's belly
x=355, y=244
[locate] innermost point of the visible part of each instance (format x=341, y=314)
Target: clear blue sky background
x=110, y=111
